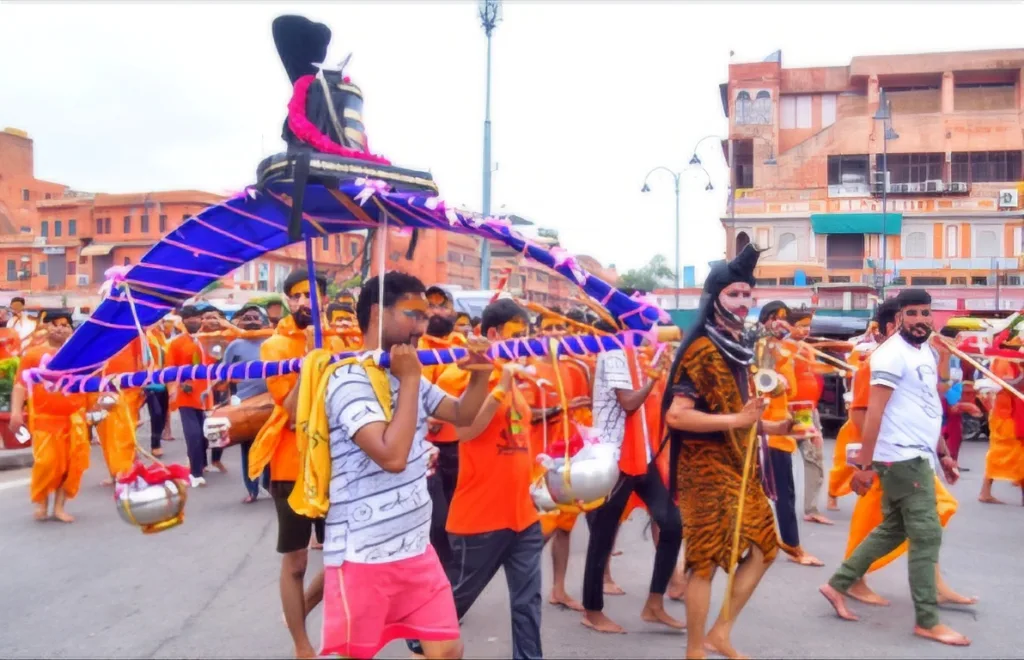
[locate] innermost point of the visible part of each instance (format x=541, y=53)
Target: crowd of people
x=418, y=481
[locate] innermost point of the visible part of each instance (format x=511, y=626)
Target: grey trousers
x=908, y=507
x=814, y=475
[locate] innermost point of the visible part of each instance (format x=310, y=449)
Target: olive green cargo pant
x=908, y=507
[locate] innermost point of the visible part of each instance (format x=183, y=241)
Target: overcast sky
x=587, y=96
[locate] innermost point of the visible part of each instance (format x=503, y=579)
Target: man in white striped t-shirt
x=382, y=579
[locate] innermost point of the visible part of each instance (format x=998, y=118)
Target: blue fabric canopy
x=221, y=238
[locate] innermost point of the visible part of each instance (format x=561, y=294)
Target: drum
x=236, y=423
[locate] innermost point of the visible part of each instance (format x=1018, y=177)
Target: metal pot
x=542, y=497
x=152, y=507
x=592, y=475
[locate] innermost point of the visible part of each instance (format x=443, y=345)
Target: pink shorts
x=366, y=606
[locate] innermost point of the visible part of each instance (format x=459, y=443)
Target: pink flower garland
x=304, y=129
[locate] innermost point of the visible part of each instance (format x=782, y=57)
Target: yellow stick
x=734, y=557
x=977, y=365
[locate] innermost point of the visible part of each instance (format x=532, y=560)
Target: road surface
x=208, y=589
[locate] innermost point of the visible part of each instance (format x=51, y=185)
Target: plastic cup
x=802, y=413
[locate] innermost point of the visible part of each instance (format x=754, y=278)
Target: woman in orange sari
x=1005, y=457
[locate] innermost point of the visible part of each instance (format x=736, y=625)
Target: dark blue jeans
x=195, y=442
x=252, y=486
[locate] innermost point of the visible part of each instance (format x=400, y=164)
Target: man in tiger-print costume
x=710, y=416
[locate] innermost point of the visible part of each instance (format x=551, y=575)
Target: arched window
x=986, y=244
x=762, y=113
x=742, y=241
x=915, y=245
x=744, y=108
x=787, y=247
x=952, y=241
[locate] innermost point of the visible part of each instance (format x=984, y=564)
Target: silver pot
x=154, y=508
x=542, y=497
x=590, y=478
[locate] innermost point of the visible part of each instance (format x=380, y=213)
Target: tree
x=655, y=275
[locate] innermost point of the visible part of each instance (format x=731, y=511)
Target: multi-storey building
x=814, y=160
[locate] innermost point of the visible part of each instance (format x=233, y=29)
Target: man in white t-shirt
x=900, y=445
x=618, y=396
x=382, y=579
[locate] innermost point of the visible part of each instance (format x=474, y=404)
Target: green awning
x=684, y=318
x=856, y=223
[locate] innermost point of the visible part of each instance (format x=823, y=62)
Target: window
x=12, y=270
x=127, y=224
x=985, y=166
x=763, y=237
x=57, y=229
x=106, y=225
x=144, y=222
x=958, y=281
x=839, y=279
x=915, y=245
x=354, y=248
x=803, y=111
x=263, y=277
x=795, y=111
x=72, y=267
x=742, y=241
x=127, y=261
x=1018, y=241
x=46, y=196
x=787, y=250
x=185, y=217
x=163, y=223
x=928, y=281
x=42, y=267
x=986, y=243
x=99, y=225
x=811, y=281
x=325, y=243
x=72, y=227
x=744, y=108
x=849, y=170
x=828, y=110
x=765, y=281
x=246, y=272
x=979, y=281
x=787, y=281
x=762, y=109
x=337, y=244
x=44, y=228
x=24, y=195
x=911, y=168
x=952, y=241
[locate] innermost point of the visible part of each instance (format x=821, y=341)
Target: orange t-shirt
x=43, y=401
x=861, y=386
x=183, y=351
x=453, y=380
x=288, y=343
x=495, y=473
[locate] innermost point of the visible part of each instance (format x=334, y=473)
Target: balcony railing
x=971, y=263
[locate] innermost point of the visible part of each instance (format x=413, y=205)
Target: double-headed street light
x=884, y=113
x=677, y=179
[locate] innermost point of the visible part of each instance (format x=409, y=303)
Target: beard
x=440, y=327
x=303, y=317
x=192, y=328
x=915, y=339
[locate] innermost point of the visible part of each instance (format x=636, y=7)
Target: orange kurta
x=60, y=435
x=448, y=377
x=841, y=474
x=117, y=430
x=275, y=443
x=652, y=410
x=1005, y=457
x=778, y=406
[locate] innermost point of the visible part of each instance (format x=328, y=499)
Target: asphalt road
x=100, y=588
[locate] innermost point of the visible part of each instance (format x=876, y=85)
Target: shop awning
x=856, y=223
x=96, y=250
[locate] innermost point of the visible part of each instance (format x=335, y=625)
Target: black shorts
x=293, y=530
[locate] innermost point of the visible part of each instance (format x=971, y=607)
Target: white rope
x=383, y=233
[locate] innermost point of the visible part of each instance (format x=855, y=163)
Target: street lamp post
x=676, y=179
x=884, y=113
x=490, y=15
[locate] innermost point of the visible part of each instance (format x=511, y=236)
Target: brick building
x=807, y=162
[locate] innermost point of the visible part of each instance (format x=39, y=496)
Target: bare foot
x=818, y=518
x=306, y=652
x=41, y=512
x=157, y=453
x=63, y=516
x=565, y=600
x=806, y=559
x=695, y=655
x=860, y=591
x=716, y=642
x=942, y=634
x=220, y=467
x=950, y=597
x=612, y=589
x=832, y=504
x=988, y=499
x=652, y=614
x=837, y=601
x=601, y=623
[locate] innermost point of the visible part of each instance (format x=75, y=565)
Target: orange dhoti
x=117, y=432
x=867, y=514
x=1005, y=457
x=841, y=474
x=60, y=454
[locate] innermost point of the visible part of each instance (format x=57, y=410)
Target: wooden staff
x=977, y=365
x=544, y=311
x=834, y=361
x=601, y=312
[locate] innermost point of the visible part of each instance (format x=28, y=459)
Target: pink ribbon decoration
x=648, y=301
x=437, y=204
x=563, y=258
x=370, y=188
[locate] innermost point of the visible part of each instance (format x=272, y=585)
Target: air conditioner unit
x=914, y=187
x=879, y=177
x=958, y=187
x=901, y=187
x=83, y=279
x=1008, y=199
x=935, y=185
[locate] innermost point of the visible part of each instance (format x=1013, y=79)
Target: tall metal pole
x=490, y=15
x=678, y=283
x=885, y=190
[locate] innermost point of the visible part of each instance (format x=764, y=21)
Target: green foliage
x=211, y=287
x=655, y=275
x=8, y=370
x=353, y=283
x=270, y=298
